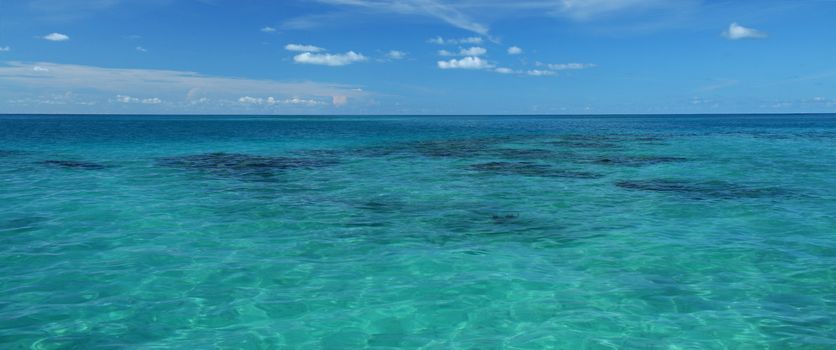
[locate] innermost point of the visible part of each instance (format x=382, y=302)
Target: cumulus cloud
x=445, y=53
x=473, y=51
x=469, y=62
x=396, y=55
x=268, y=29
x=514, y=50
x=329, y=59
x=303, y=48
x=737, y=32
x=442, y=41
x=56, y=37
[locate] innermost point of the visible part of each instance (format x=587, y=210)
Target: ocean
x=418, y=232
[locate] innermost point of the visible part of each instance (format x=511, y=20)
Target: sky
x=417, y=56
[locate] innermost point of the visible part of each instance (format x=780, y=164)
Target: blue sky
x=417, y=56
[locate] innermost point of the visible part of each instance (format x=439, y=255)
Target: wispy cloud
x=473, y=51
x=446, y=11
x=568, y=66
x=56, y=37
x=396, y=55
x=268, y=29
x=514, y=50
x=469, y=62
x=303, y=48
x=147, y=101
x=584, y=10
x=270, y=101
x=442, y=41
x=471, y=15
x=5, y=49
x=29, y=80
x=737, y=32
x=540, y=73
x=141, y=49
x=326, y=59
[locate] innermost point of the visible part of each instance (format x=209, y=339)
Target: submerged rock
x=72, y=164
x=701, y=190
x=530, y=169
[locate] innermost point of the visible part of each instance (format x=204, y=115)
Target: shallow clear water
x=690, y=232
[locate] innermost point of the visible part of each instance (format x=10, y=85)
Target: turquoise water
x=635, y=232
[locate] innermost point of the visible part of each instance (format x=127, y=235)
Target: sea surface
x=433, y=232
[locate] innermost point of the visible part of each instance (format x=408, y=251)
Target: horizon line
x=418, y=115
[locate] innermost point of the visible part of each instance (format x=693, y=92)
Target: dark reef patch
x=530, y=169
x=21, y=224
x=701, y=190
x=453, y=148
x=608, y=141
x=523, y=153
x=72, y=164
x=584, y=144
x=637, y=161
x=245, y=165
x=12, y=153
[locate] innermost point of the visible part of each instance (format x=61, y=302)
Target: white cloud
x=504, y=70
x=442, y=41
x=469, y=62
x=39, y=69
x=329, y=59
x=129, y=99
x=268, y=29
x=303, y=48
x=141, y=49
x=540, y=73
x=473, y=51
x=514, y=50
x=445, y=53
x=272, y=101
x=568, y=66
x=56, y=37
x=5, y=49
x=736, y=32
x=396, y=55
